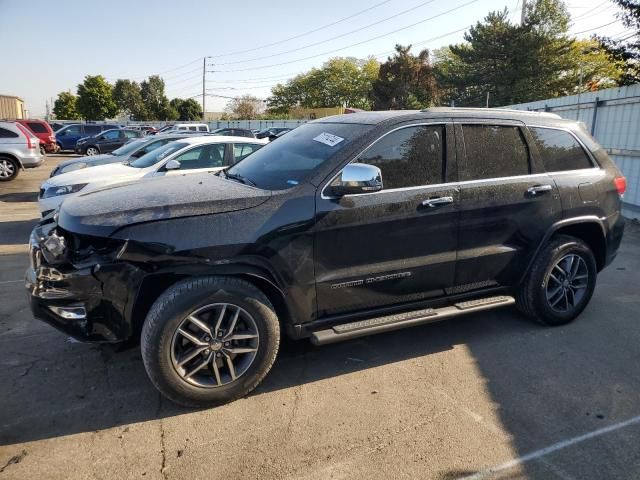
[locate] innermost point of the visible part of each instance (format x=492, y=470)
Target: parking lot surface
x=489, y=395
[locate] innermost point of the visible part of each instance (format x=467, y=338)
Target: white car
x=187, y=155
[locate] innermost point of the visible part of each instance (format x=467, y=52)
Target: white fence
x=613, y=118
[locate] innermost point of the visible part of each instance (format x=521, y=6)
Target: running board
x=387, y=323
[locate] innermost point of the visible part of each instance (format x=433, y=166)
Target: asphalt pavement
x=489, y=395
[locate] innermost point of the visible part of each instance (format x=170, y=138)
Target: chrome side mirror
x=356, y=178
x=172, y=165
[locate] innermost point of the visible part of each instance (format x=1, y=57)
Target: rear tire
x=9, y=169
x=560, y=283
x=189, y=360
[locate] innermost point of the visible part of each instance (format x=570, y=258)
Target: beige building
x=11, y=108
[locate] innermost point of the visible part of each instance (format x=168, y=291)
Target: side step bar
x=387, y=323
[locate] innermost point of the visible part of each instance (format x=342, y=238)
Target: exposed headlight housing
x=63, y=190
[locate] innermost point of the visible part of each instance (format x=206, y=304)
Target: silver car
x=19, y=149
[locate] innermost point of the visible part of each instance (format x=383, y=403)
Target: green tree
x=405, y=81
x=155, y=101
x=345, y=82
x=128, y=97
x=95, y=100
x=188, y=110
x=521, y=63
x=64, y=107
x=627, y=49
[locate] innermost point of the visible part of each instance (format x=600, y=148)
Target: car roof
x=376, y=117
x=218, y=139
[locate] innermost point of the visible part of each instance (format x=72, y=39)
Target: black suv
x=346, y=226
x=106, y=142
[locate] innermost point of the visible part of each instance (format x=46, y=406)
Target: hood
x=93, y=174
x=101, y=212
x=93, y=160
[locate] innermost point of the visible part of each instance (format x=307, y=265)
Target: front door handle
x=536, y=189
x=436, y=202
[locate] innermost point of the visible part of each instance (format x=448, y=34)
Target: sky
x=49, y=47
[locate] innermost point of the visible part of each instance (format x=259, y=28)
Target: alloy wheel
x=92, y=151
x=214, y=345
x=567, y=283
x=7, y=169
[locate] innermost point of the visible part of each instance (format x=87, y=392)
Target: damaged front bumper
x=90, y=300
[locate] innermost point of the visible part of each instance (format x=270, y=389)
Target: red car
x=42, y=130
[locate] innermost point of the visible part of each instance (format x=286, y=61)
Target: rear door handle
x=436, y=202
x=536, y=189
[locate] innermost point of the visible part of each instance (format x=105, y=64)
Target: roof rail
x=490, y=110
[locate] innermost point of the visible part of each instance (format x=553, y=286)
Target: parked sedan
x=106, y=141
x=187, y=155
x=234, y=132
x=131, y=150
x=271, y=132
x=68, y=136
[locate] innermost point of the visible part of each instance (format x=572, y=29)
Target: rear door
x=507, y=203
x=396, y=245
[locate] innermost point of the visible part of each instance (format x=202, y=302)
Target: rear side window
x=494, y=151
x=4, y=133
x=408, y=157
x=202, y=128
x=241, y=150
x=131, y=134
x=91, y=130
x=559, y=150
x=37, y=127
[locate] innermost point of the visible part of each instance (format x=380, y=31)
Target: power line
x=143, y=77
x=329, y=39
x=349, y=46
x=595, y=28
x=302, y=34
x=590, y=10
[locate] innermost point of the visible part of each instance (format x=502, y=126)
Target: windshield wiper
x=239, y=178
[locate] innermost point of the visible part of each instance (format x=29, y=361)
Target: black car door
x=507, y=203
x=398, y=244
x=110, y=140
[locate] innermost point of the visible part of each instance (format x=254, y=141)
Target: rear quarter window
x=559, y=150
x=4, y=133
x=37, y=127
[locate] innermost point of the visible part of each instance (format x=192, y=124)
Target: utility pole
x=204, y=82
x=523, y=15
x=487, y=99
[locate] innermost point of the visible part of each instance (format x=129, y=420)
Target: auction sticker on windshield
x=328, y=139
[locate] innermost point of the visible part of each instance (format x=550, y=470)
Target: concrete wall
x=613, y=118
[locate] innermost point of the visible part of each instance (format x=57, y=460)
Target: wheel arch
x=589, y=229
x=153, y=285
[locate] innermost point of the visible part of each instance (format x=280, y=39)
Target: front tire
x=208, y=341
x=9, y=169
x=90, y=151
x=560, y=283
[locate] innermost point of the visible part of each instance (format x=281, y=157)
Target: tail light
x=621, y=185
x=26, y=134
x=52, y=138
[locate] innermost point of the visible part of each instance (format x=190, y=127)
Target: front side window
x=129, y=147
x=111, y=134
x=73, y=130
x=408, y=157
x=158, y=154
x=203, y=156
x=298, y=155
x=494, y=151
x=559, y=150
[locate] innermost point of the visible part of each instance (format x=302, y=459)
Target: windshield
x=129, y=147
x=296, y=156
x=154, y=156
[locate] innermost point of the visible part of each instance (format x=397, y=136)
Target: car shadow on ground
x=17, y=233
x=59, y=387
x=19, y=197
